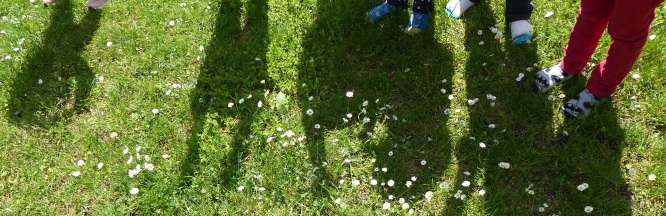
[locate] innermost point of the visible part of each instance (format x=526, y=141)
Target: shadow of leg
x=383, y=68
x=55, y=82
x=222, y=128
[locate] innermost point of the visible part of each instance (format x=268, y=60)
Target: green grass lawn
x=244, y=108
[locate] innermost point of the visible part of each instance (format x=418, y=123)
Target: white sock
x=458, y=7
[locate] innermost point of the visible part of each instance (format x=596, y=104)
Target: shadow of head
x=55, y=81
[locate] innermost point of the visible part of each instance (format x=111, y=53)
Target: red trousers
x=628, y=23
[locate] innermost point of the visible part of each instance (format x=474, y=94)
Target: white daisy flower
x=165, y=156
x=429, y=195
x=588, y=209
x=652, y=177
x=504, y=165
x=230, y=105
x=482, y=145
x=390, y=183
x=172, y=23
x=423, y=162
x=76, y=174
x=126, y=150
x=652, y=37
x=155, y=111
x=466, y=183
x=386, y=206
x=384, y=169
x=413, y=178
x=317, y=126
x=408, y=184
x=631, y=172
x=542, y=209
x=260, y=104
x=309, y=112
x=109, y=44
x=350, y=94
x=356, y=182
x=482, y=192
x=480, y=32
x=405, y=206
x=444, y=185
x=288, y=134
x=148, y=166
x=636, y=76
x=134, y=191
x=100, y=165
x=373, y=182
x=81, y=163
x=520, y=77
x=548, y=14
x=583, y=186
x=472, y=101
x=390, y=153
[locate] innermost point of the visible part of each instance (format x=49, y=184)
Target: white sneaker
x=521, y=31
x=96, y=4
x=456, y=8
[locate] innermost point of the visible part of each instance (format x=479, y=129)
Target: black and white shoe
x=548, y=78
x=579, y=106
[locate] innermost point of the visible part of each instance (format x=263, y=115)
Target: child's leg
x=592, y=20
x=629, y=27
x=423, y=6
x=398, y=3
x=518, y=10
x=518, y=13
x=420, y=18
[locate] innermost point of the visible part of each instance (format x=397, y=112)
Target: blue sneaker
x=417, y=23
x=380, y=12
x=456, y=8
x=521, y=32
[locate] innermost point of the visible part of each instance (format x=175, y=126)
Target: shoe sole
x=412, y=31
x=449, y=11
x=522, y=39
